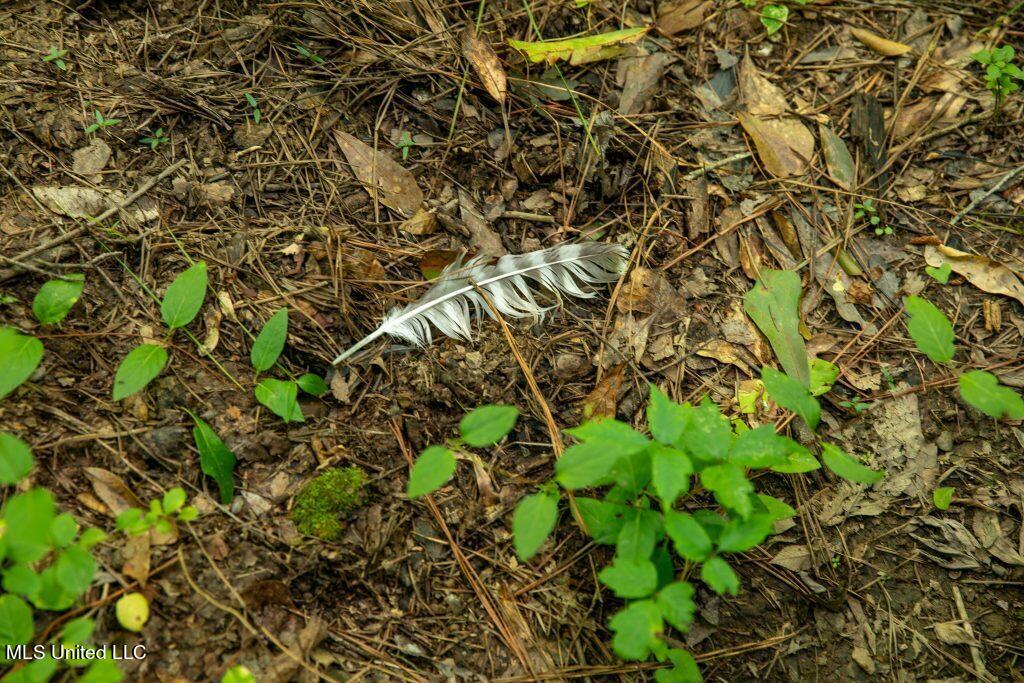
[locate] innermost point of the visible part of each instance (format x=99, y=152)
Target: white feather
x=455, y=298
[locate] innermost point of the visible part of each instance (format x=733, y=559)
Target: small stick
x=979, y=663
x=988, y=193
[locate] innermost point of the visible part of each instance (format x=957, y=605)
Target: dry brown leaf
x=952, y=633
x=918, y=116
x=676, y=17
x=758, y=95
x=423, y=222
x=784, y=145
x=604, y=399
x=137, y=557
x=483, y=58
x=112, y=490
x=360, y=264
x=649, y=291
x=639, y=77
x=381, y=176
x=883, y=46
x=92, y=158
x=984, y=273
x=723, y=352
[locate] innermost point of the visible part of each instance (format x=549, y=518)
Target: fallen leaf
x=112, y=490
x=483, y=58
x=982, y=272
x=773, y=305
x=837, y=158
x=482, y=237
x=581, y=50
x=604, y=399
x=676, y=17
x=785, y=146
x=361, y=264
x=882, y=46
x=952, y=633
x=137, y=557
x=758, y=95
x=639, y=77
x=422, y=222
x=723, y=352
x=649, y=291
x=381, y=176
x=92, y=158
x=433, y=262
x=916, y=117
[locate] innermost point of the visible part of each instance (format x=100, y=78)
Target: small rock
x=567, y=364
x=250, y=134
x=944, y=441
x=863, y=658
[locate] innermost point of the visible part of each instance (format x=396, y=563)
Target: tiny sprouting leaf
x=930, y=329
x=940, y=274
x=709, y=435
x=314, y=385
x=75, y=569
x=823, y=376
x=270, y=342
x=983, y=391
x=487, y=425
x=792, y=395
x=238, y=674
x=689, y=537
x=761, y=447
x=777, y=509
x=55, y=298
x=251, y=100
x=719, y=576
x=432, y=470
x=587, y=464
x=279, y=396
x=773, y=305
x=29, y=516
x=846, y=466
x=184, y=296
x=533, y=521
x=943, y=497
x=173, y=500
x=731, y=487
x=16, y=624
x=63, y=530
x=215, y=459
x=637, y=629
x=22, y=580
x=684, y=669
x=20, y=355
x=666, y=419
x=798, y=461
x=676, y=604
x=603, y=519
x=638, y=535
x=671, y=470
x=624, y=438
x=138, y=369
x=743, y=534
x=16, y=459
x=773, y=18
x=630, y=578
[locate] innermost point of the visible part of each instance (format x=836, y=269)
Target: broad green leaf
x=709, y=436
x=943, y=497
x=731, y=487
x=138, y=369
x=684, y=669
x=798, y=462
x=689, y=538
x=719, y=576
x=270, y=342
x=823, y=376
x=52, y=594
x=432, y=470
x=75, y=569
x=777, y=509
x=20, y=355
x=847, y=467
x=712, y=523
x=215, y=459
x=22, y=580
x=580, y=50
x=91, y=538
x=761, y=447
x=773, y=305
x=930, y=329
x=940, y=274
x=173, y=500
x=77, y=631
x=773, y=18
x=63, y=530
x=792, y=395
x=56, y=297
x=982, y=390
x=533, y=521
x=487, y=425
x=37, y=671
x=184, y=296
x=665, y=564
x=630, y=578
x=638, y=535
x=16, y=624
x=744, y=534
x=15, y=459
x=313, y=385
x=637, y=629
x=280, y=397
x=29, y=516
x=671, y=470
x=666, y=419
x=587, y=464
x=603, y=520
x=102, y=671
x=676, y=604
x=632, y=473
x=624, y=438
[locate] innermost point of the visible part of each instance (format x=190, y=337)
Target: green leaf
x=684, y=669
x=63, y=530
x=431, y=471
x=215, y=459
x=77, y=631
x=798, y=462
x=16, y=459
x=637, y=629
x=173, y=500
x=777, y=509
x=16, y=624
x=930, y=329
x=138, y=369
x=20, y=355
x=731, y=487
x=279, y=396
x=29, y=516
x=313, y=385
x=982, y=391
x=943, y=497
x=940, y=274
x=587, y=464
x=744, y=534
x=52, y=595
x=823, y=376
x=630, y=578
x=22, y=580
x=270, y=342
x=487, y=425
x=184, y=297
x=761, y=447
x=792, y=395
x=773, y=18
x=56, y=297
x=671, y=470
x=666, y=419
x=238, y=674
x=102, y=671
x=533, y=521
x=579, y=50
x=689, y=538
x=709, y=435
x=719, y=576
x=676, y=604
x=75, y=569
x=638, y=535
x=603, y=520
x=847, y=467
x=624, y=438
x=91, y=538
x=838, y=160
x=773, y=305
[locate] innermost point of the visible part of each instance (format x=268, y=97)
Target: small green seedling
x=311, y=56
x=1001, y=74
x=56, y=57
x=867, y=210
x=101, y=122
x=155, y=140
x=773, y=18
x=405, y=141
x=940, y=274
x=257, y=116
x=855, y=405
x=161, y=514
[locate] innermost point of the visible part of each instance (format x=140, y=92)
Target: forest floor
x=708, y=148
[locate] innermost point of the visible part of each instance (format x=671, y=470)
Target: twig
x=988, y=193
x=975, y=647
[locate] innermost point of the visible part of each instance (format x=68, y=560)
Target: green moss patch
x=324, y=502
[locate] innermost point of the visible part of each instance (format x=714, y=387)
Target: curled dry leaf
x=676, y=17
x=883, y=46
x=984, y=273
x=785, y=146
x=483, y=58
x=380, y=175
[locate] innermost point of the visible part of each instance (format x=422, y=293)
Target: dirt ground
x=690, y=148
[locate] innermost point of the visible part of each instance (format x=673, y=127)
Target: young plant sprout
x=155, y=140
x=255, y=106
x=101, y=122
x=56, y=57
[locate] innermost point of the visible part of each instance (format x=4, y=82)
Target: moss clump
x=325, y=501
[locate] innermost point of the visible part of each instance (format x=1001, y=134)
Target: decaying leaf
x=380, y=175
x=639, y=76
x=604, y=399
x=676, y=17
x=883, y=46
x=422, y=222
x=112, y=490
x=982, y=272
x=785, y=146
x=582, y=50
x=483, y=58
x=758, y=95
x=837, y=158
x=952, y=633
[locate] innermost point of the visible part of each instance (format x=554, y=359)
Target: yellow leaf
x=784, y=145
x=579, y=50
x=481, y=55
x=883, y=46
